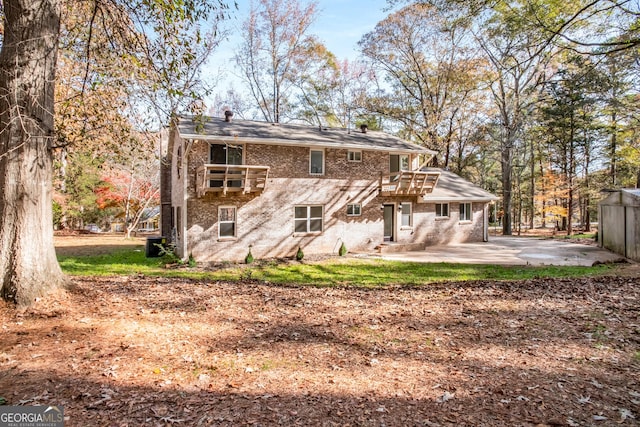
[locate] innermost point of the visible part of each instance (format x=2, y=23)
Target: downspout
x=485, y=223
x=186, y=147
x=625, y=232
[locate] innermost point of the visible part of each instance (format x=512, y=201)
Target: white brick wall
x=266, y=220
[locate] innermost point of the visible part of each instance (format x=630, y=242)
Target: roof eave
x=275, y=141
x=460, y=199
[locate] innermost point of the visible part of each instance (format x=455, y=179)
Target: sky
x=340, y=25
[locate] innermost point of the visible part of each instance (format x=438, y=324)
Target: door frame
x=392, y=218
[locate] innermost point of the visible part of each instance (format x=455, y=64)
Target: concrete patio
x=509, y=250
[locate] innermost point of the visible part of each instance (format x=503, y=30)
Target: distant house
x=619, y=223
x=150, y=219
x=273, y=188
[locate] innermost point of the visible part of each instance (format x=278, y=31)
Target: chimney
x=228, y=114
x=364, y=128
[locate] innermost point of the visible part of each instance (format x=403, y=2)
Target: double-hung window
x=442, y=210
x=316, y=162
x=227, y=221
x=308, y=219
x=354, y=156
x=354, y=209
x=465, y=211
x=405, y=209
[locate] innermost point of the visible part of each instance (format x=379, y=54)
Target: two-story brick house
x=273, y=188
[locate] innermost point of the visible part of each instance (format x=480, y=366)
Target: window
x=354, y=209
x=465, y=211
x=316, y=162
x=225, y=154
x=405, y=209
x=179, y=162
x=442, y=210
x=354, y=156
x=308, y=219
x=227, y=221
x=398, y=162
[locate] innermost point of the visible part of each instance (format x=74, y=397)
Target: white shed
x=619, y=223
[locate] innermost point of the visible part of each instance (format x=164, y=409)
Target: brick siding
x=265, y=221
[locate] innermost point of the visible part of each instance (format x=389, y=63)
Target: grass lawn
x=332, y=272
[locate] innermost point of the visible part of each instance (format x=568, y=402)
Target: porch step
x=388, y=248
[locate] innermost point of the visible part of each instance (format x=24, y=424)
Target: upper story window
x=354, y=156
x=442, y=210
x=465, y=211
x=179, y=161
x=225, y=154
x=316, y=162
x=398, y=162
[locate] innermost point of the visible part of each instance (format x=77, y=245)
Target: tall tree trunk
x=532, y=194
x=28, y=265
x=507, y=184
x=613, y=150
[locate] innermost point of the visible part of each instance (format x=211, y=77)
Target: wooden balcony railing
x=412, y=183
x=230, y=179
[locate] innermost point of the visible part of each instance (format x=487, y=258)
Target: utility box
x=154, y=245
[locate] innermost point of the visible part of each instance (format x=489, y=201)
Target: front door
x=389, y=225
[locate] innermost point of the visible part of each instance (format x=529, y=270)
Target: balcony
x=408, y=183
x=226, y=179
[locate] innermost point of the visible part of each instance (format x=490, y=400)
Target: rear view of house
x=273, y=188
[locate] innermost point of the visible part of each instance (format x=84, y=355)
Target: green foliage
x=77, y=191
x=249, y=258
x=299, y=254
x=57, y=214
x=192, y=261
x=168, y=254
x=343, y=250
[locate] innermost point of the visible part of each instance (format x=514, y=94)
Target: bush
x=192, y=261
x=299, y=254
x=343, y=250
x=249, y=258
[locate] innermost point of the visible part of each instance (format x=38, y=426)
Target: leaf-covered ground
x=136, y=351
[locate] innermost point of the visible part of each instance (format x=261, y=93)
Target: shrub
x=192, y=261
x=343, y=250
x=299, y=254
x=168, y=254
x=249, y=258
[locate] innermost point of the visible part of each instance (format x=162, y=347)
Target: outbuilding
x=619, y=223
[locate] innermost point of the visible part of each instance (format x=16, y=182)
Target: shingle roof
x=217, y=129
x=453, y=187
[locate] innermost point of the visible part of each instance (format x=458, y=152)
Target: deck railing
x=230, y=179
x=412, y=183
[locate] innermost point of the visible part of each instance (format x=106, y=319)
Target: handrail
x=231, y=178
x=408, y=183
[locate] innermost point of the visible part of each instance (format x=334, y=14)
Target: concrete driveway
x=509, y=250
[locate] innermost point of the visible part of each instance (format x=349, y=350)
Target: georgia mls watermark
x=31, y=416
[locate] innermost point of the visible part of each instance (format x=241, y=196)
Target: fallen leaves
x=146, y=351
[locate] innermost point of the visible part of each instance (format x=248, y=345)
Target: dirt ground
x=138, y=351
x=94, y=243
